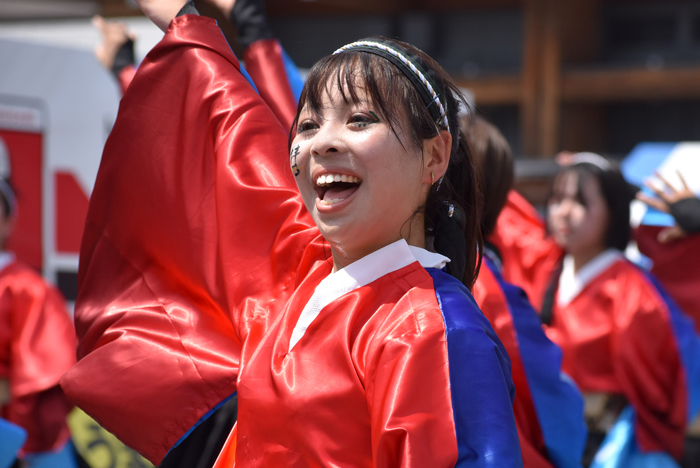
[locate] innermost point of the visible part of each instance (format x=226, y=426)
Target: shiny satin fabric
x=617, y=337
x=548, y=407
x=676, y=265
x=264, y=61
x=37, y=345
x=196, y=261
x=529, y=256
x=490, y=299
x=367, y=385
x=170, y=284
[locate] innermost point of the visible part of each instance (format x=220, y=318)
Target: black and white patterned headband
x=409, y=65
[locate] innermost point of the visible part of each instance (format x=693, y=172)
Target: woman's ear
x=436, y=156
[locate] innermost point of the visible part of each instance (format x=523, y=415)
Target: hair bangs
x=360, y=77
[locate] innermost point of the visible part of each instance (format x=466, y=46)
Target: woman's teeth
x=332, y=202
x=330, y=178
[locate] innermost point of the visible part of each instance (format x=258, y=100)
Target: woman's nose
x=565, y=207
x=327, y=140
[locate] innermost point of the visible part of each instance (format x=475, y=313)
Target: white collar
x=571, y=284
x=428, y=259
x=360, y=273
x=5, y=259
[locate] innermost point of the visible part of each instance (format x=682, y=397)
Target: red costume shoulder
x=617, y=337
x=37, y=345
x=529, y=255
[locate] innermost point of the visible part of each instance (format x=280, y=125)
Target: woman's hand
x=161, y=12
x=114, y=36
x=663, y=202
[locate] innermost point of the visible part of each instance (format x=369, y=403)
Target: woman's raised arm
x=194, y=222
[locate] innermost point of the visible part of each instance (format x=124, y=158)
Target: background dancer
x=548, y=406
x=622, y=336
x=37, y=345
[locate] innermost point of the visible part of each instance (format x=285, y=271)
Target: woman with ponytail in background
x=625, y=341
x=548, y=407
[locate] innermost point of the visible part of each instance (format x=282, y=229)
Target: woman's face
x=578, y=224
x=360, y=184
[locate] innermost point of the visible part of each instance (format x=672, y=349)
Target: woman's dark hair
x=7, y=190
x=356, y=73
x=616, y=192
x=494, y=166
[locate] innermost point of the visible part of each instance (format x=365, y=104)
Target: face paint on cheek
x=293, y=159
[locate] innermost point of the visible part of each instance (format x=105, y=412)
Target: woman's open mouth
x=334, y=188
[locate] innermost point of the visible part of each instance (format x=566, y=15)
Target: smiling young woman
x=306, y=275
x=623, y=340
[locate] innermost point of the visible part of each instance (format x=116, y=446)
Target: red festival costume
x=676, y=265
x=202, y=275
x=617, y=334
x=264, y=61
x=37, y=345
x=548, y=407
x=529, y=255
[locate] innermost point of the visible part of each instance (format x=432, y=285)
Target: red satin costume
x=199, y=262
x=676, y=265
x=529, y=255
x=617, y=337
x=489, y=296
x=37, y=345
x=616, y=334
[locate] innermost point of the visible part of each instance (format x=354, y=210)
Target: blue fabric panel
x=643, y=160
x=557, y=400
x=480, y=380
x=243, y=72
x=619, y=449
x=639, y=165
x=65, y=458
x=201, y=420
x=296, y=83
x=688, y=343
x=12, y=439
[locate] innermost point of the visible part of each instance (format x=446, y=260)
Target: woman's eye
x=307, y=126
x=363, y=120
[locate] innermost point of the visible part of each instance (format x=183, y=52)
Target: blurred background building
x=553, y=75
x=598, y=75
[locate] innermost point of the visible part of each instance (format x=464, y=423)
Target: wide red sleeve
x=41, y=348
x=529, y=255
x=195, y=231
x=676, y=265
x=264, y=60
x=648, y=365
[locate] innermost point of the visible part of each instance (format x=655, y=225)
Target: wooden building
x=553, y=75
